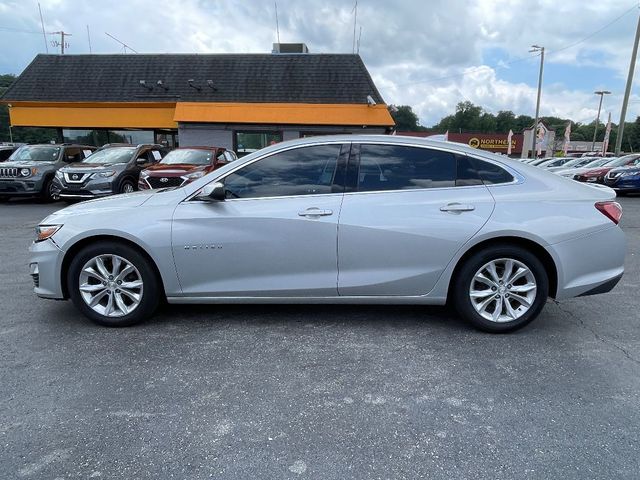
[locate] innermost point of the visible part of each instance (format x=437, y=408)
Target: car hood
x=176, y=168
x=632, y=168
x=25, y=163
x=91, y=167
x=116, y=202
x=596, y=171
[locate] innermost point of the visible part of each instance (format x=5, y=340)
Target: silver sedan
x=342, y=219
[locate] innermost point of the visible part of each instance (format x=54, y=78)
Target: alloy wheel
x=127, y=188
x=111, y=285
x=503, y=290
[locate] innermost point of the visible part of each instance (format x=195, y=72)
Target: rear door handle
x=315, y=212
x=457, y=208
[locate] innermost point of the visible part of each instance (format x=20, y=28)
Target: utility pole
x=61, y=43
x=602, y=93
x=627, y=90
x=536, y=48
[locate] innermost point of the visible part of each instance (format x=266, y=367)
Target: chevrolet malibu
x=343, y=219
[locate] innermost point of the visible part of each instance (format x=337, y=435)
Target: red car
x=184, y=165
x=596, y=175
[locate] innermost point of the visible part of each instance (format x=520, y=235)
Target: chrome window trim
x=517, y=177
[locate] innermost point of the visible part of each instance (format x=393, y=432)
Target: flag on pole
x=509, y=142
x=567, y=138
x=607, y=132
x=446, y=136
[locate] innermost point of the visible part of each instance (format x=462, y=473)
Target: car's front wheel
x=127, y=186
x=501, y=288
x=113, y=284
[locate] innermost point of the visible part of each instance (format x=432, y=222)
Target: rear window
x=473, y=171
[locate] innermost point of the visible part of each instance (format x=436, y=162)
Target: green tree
x=405, y=118
x=505, y=121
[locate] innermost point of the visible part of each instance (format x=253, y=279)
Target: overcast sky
x=427, y=54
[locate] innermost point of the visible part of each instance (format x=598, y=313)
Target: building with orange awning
x=237, y=101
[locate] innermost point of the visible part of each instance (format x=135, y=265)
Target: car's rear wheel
x=501, y=288
x=127, y=186
x=113, y=284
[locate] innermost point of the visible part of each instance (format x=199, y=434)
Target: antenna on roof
x=46, y=45
x=277, y=25
x=124, y=45
x=358, y=44
x=89, y=38
x=355, y=21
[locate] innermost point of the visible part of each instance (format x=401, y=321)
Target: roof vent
x=290, y=48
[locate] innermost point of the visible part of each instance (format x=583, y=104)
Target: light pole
x=602, y=93
x=537, y=48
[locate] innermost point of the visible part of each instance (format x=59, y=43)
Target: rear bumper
x=591, y=264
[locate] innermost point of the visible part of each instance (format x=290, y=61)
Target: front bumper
x=20, y=187
x=590, y=264
x=92, y=188
x=45, y=265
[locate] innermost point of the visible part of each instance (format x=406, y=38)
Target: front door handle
x=457, y=208
x=315, y=212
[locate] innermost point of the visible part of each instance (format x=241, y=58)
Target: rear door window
x=399, y=167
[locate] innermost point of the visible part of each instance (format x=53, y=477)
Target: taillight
x=611, y=210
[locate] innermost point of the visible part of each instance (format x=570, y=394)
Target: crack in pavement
x=598, y=337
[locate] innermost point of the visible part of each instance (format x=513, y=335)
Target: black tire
x=464, y=276
x=125, y=184
x=47, y=194
x=151, y=293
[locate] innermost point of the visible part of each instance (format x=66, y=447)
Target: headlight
x=629, y=174
x=27, y=172
x=44, y=232
x=194, y=175
x=59, y=175
x=144, y=174
x=107, y=173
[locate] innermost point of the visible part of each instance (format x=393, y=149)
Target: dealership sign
x=489, y=141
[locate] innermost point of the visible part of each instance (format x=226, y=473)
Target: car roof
x=199, y=147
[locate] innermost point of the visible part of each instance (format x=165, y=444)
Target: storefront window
x=134, y=137
x=85, y=137
x=249, y=142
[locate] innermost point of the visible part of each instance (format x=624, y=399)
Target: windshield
x=618, y=162
x=111, y=155
x=191, y=157
x=36, y=154
x=598, y=163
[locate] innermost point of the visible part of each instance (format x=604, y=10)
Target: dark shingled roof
x=303, y=78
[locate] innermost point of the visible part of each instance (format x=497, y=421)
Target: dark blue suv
x=624, y=179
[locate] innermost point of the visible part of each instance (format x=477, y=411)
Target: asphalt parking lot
x=323, y=392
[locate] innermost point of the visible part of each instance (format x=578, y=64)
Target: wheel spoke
x=116, y=265
x=523, y=288
x=131, y=285
x=508, y=269
x=481, y=293
x=510, y=311
x=491, y=268
x=109, y=308
x=523, y=300
x=498, y=311
x=132, y=295
x=120, y=303
x=482, y=306
x=125, y=271
x=481, y=277
x=85, y=287
x=102, y=268
x=520, y=272
x=91, y=271
x=96, y=298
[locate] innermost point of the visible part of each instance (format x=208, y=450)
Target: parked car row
x=78, y=172
x=620, y=173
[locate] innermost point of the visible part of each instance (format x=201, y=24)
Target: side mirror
x=213, y=192
x=141, y=161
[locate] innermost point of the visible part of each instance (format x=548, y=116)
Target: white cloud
x=405, y=44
